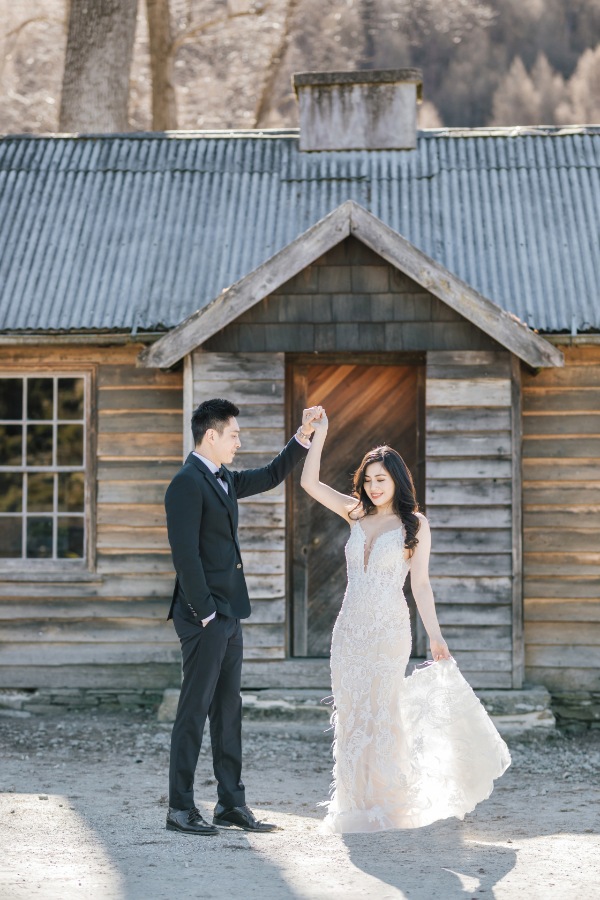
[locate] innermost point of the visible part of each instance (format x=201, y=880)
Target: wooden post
x=188, y=403
x=298, y=528
x=517, y=524
x=420, y=476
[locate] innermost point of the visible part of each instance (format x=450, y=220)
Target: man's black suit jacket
x=202, y=522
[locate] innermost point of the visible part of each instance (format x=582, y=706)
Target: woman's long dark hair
x=404, y=503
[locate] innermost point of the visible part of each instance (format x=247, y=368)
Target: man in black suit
x=209, y=600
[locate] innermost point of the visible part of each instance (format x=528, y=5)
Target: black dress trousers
x=212, y=670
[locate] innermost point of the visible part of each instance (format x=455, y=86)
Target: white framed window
x=45, y=487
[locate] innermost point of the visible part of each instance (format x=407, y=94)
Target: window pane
x=11, y=398
x=70, y=398
x=70, y=537
x=11, y=438
x=69, y=450
x=70, y=492
x=40, y=492
x=10, y=537
x=39, y=445
x=11, y=492
x=39, y=537
x=39, y=398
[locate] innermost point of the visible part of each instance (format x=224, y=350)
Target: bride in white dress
x=407, y=751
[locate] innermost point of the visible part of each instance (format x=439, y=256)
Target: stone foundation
x=61, y=700
x=524, y=713
x=514, y=712
x=577, y=710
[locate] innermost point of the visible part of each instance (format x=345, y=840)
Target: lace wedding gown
x=407, y=751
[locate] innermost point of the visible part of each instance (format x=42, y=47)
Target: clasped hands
x=313, y=418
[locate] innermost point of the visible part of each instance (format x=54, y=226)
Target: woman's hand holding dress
x=439, y=648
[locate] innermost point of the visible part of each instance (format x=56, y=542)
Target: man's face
x=225, y=445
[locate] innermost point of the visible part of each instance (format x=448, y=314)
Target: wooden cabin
x=442, y=298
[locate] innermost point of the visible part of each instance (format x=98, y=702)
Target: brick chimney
x=367, y=110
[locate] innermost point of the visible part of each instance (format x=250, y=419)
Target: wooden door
x=367, y=405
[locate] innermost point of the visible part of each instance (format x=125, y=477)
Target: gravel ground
x=83, y=805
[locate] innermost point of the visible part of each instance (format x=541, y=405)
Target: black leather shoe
x=240, y=817
x=189, y=821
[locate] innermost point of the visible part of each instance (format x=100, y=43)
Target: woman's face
x=379, y=485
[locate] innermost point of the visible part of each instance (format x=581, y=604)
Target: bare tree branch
x=17, y=31
x=275, y=62
x=190, y=33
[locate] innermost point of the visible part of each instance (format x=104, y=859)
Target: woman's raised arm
x=338, y=503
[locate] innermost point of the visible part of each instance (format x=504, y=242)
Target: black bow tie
x=220, y=473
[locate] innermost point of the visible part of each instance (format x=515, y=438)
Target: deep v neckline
x=365, y=567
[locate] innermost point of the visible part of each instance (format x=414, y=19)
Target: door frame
x=296, y=579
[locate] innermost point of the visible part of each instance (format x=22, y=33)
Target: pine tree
x=516, y=100
x=582, y=104
x=550, y=90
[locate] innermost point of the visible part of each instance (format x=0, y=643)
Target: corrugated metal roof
x=138, y=231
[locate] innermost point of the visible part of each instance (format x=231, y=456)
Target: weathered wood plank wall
x=256, y=383
x=561, y=470
x=107, y=628
x=469, y=506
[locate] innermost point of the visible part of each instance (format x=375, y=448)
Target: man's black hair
x=212, y=414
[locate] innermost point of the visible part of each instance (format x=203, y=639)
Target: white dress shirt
x=214, y=468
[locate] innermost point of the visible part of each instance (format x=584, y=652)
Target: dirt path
x=83, y=806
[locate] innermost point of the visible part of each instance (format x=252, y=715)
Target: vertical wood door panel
x=367, y=406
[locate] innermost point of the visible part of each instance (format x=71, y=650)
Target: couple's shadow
x=438, y=860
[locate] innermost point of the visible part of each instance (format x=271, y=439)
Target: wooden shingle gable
x=351, y=219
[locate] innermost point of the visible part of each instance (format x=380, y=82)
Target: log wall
x=561, y=493
x=256, y=383
x=105, y=628
x=469, y=498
